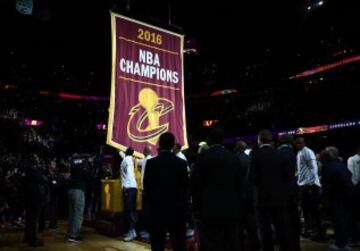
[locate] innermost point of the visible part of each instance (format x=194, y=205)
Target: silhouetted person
x=189, y=218
x=337, y=186
x=288, y=154
x=54, y=185
x=165, y=196
x=217, y=189
x=144, y=234
x=248, y=227
x=353, y=165
x=76, y=195
x=271, y=178
x=50, y=210
x=36, y=194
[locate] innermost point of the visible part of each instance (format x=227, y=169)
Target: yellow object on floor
x=112, y=196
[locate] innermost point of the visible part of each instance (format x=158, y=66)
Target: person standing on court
x=36, y=194
x=248, y=216
x=309, y=184
x=217, y=189
x=144, y=234
x=286, y=150
x=271, y=178
x=165, y=196
x=129, y=189
x=76, y=194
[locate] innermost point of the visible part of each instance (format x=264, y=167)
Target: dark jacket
x=36, y=186
x=217, y=185
x=336, y=180
x=248, y=191
x=244, y=160
x=271, y=176
x=289, y=157
x=165, y=189
x=79, y=172
x=54, y=183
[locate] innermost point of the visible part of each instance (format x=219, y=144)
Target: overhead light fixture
x=209, y=123
x=101, y=127
x=33, y=122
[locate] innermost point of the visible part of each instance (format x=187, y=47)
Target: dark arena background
x=289, y=66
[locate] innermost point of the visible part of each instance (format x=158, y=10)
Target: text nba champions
x=148, y=64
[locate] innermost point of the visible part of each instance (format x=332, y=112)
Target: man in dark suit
x=217, y=187
x=248, y=218
x=36, y=193
x=337, y=188
x=271, y=178
x=165, y=196
x=286, y=150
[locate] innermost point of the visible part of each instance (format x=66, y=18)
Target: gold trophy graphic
x=107, y=196
x=144, y=123
x=149, y=100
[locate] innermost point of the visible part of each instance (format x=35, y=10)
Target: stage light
x=224, y=92
x=309, y=8
x=327, y=67
x=320, y=3
x=101, y=127
x=32, y=122
x=208, y=123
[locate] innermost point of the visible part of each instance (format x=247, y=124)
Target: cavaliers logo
x=145, y=117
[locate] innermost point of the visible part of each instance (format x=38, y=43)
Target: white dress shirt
x=142, y=163
x=127, y=173
x=248, y=151
x=353, y=164
x=122, y=154
x=181, y=156
x=307, y=169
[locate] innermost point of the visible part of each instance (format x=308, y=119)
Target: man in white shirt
x=309, y=184
x=353, y=165
x=129, y=188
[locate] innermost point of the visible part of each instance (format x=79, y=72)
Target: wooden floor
x=11, y=240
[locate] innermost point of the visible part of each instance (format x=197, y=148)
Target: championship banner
x=147, y=85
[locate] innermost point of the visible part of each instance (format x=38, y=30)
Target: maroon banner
x=147, y=90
